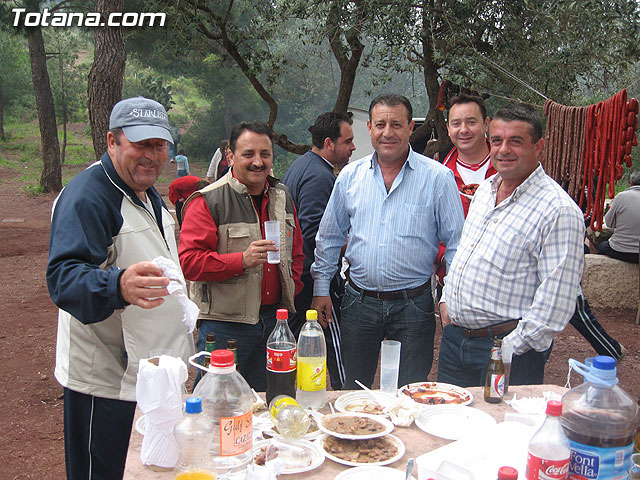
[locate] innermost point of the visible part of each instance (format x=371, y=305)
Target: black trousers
x=585, y=322
x=96, y=436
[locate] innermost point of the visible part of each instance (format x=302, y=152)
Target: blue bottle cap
x=193, y=405
x=603, y=362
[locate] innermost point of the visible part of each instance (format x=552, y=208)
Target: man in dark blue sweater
x=310, y=180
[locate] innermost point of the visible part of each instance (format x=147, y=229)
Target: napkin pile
x=159, y=395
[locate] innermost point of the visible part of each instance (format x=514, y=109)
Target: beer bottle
x=209, y=346
x=494, y=381
x=232, y=345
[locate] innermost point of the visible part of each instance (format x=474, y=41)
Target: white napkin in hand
x=178, y=287
x=159, y=396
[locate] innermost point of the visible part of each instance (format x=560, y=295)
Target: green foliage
x=21, y=152
x=16, y=88
x=67, y=73
x=148, y=84
x=32, y=189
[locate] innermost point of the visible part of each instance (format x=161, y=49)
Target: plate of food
x=355, y=426
x=298, y=456
x=354, y=453
x=436, y=393
x=364, y=402
x=264, y=422
x=469, y=190
x=367, y=472
x=453, y=422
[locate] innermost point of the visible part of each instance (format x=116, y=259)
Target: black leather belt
x=492, y=331
x=394, y=294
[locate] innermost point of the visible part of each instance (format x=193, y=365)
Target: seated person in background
x=181, y=188
x=624, y=218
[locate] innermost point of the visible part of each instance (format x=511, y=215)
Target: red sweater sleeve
x=198, y=242
x=298, y=256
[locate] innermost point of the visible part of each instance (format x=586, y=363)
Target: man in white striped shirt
x=517, y=271
x=396, y=206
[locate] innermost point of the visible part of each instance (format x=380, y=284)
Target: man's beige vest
x=238, y=299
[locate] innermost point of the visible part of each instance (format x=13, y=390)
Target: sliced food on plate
x=436, y=393
x=378, y=451
x=364, y=402
x=355, y=426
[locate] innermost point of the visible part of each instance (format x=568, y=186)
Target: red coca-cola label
x=281, y=360
x=543, y=469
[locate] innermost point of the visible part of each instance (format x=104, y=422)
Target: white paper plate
x=317, y=455
x=140, y=425
x=369, y=472
x=466, y=195
x=388, y=426
x=346, y=402
x=265, y=424
x=453, y=422
x=397, y=442
x=445, y=388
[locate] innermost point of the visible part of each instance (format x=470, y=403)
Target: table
x=416, y=441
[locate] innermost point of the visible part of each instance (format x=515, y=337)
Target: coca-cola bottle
x=549, y=450
x=281, y=359
x=507, y=473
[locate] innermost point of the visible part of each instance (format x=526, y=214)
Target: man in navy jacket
x=108, y=224
x=310, y=180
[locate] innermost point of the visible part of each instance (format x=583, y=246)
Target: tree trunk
x=107, y=73
x=434, y=117
x=348, y=56
x=64, y=111
x=2, y=136
x=51, y=178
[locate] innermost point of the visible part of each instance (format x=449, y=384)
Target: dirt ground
x=31, y=438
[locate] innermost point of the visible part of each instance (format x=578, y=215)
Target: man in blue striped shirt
x=395, y=206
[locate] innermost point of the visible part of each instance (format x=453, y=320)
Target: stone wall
x=610, y=283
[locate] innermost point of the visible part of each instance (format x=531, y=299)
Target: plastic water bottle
x=600, y=420
x=193, y=433
x=549, y=448
x=228, y=400
x=290, y=419
x=312, y=364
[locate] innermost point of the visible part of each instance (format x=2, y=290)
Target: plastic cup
x=389, y=366
x=272, y=232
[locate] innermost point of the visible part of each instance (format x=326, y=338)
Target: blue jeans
x=605, y=249
x=366, y=321
x=463, y=361
x=251, y=345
